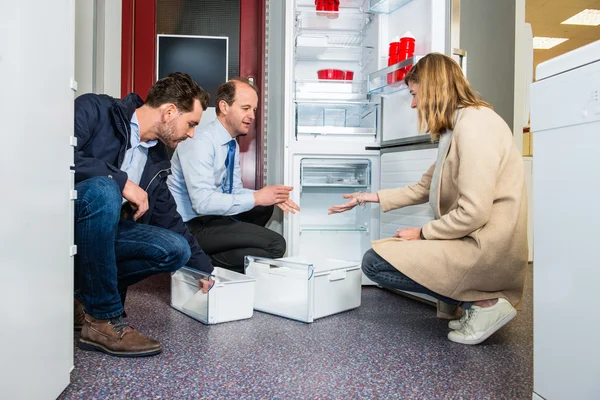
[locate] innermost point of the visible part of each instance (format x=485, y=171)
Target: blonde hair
x=443, y=89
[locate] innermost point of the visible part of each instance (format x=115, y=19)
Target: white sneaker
x=481, y=322
x=457, y=324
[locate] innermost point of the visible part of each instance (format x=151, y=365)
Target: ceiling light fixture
x=546, y=42
x=586, y=17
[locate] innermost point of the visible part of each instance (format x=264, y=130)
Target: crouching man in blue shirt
x=126, y=223
x=227, y=220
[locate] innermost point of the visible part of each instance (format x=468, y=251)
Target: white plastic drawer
x=231, y=298
x=304, y=291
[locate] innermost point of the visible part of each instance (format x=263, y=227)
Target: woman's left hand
x=408, y=234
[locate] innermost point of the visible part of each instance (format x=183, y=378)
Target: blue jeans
x=382, y=272
x=113, y=253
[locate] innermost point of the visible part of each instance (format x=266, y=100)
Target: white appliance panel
x=566, y=120
x=36, y=278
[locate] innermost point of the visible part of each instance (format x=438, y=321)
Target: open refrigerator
x=346, y=136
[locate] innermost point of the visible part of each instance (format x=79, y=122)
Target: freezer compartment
x=323, y=183
x=319, y=119
x=346, y=235
x=318, y=172
x=304, y=290
x=231, y=298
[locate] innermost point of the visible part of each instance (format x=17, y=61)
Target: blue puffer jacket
x=102, y=128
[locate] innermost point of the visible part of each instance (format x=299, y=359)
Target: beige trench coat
x=477, y=250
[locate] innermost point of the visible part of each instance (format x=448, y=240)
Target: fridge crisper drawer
x=335, y=172
x=332, y=90
x=331, y=118
x=231, y=298
x=304, y=291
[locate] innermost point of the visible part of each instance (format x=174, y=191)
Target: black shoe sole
x=90, y=346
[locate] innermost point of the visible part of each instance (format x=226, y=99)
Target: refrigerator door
x=456, y=28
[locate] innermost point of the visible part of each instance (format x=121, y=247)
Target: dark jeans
x=113, y=253
x=228, y=239
x=382, y=272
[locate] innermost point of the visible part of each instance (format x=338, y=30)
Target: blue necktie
x=229, y=163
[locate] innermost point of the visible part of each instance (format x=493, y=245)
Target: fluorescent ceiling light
x=546, y=42
x=586, y=17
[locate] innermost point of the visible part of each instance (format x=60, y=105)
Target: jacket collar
x=128, y=105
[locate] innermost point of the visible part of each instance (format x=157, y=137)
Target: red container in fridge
x=348, y=75
x=406, y=50
x=336, y=74
x=334, y=7
x=407, y=43
x=320, y=6
x=393, y=59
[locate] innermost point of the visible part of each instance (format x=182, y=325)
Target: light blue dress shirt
x=198, y=175
x=136, y=156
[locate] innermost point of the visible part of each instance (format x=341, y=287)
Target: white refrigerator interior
x=36, y=278
x=565, y=116
x=340, y=136
x=330, y=124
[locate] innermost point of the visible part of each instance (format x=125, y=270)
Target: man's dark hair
x=226, y=91
x=180, y=89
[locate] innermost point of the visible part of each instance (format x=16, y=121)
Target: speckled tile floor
x=391, y=347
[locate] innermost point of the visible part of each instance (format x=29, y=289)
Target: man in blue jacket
x=126, y=222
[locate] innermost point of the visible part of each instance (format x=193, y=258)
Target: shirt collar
x=222, y=134
x=135, y=134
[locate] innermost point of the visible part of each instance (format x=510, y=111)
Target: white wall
x=84, y=46
x=112, y=47
x=36, y=231
x=523, y=72
x=98, y=46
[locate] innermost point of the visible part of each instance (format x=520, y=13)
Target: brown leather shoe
x=79, y=315
x=116, y=337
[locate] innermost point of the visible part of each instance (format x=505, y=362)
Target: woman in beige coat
x=474, y=253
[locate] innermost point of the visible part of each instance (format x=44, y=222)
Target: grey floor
x=391, y=347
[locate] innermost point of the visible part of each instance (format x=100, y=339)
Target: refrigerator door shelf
x=385, y=80
x=230, y=299
x=303, y=290
x=386, y=6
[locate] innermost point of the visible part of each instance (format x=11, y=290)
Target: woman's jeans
x=382, y=272
x=113, y=253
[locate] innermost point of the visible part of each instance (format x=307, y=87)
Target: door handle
x=462, y=56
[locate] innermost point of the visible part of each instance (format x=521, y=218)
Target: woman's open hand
x=353, y=202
